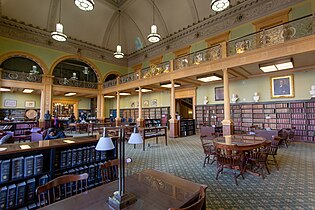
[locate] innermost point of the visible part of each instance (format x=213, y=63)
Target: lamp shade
x=104, y=144
x=135, y=138
x=85, y=5
x=219, y=5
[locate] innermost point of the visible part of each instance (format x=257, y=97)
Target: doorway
x=184, y=107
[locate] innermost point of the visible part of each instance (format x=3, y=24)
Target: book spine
x=38, y=164
x=17, y=168
x=28, y=166
x=3, y=197
x=5, y=170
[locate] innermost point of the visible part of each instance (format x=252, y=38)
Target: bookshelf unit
x=18, y=128
x=152, y=122
x=53, y=158
x=274, y=115
x=147, y=113
x=187, y=127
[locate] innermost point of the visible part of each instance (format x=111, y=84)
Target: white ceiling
x=100, y=26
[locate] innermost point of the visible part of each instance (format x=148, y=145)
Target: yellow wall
x=20, y=99
x=245, y=89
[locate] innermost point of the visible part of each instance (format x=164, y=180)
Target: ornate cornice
x=28, y=33
x=242, y=13
x=235, y=16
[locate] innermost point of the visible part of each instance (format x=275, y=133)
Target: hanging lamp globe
x=85, y=5
x=58, y=35
x=154, y=36
x=118, y=54
x=219, y=5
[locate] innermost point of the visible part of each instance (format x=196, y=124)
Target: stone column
x=174, y=129
x=140, y=120
x=100, y=104
x=227, y=123
x=46, y=100
x=118, y=119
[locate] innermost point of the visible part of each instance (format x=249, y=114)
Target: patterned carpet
x=292, y=187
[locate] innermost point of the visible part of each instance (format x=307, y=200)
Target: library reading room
x=157, y=105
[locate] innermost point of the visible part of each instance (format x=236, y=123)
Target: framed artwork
x=282, y=87
x=146, y=103
x=219, y=93
x=29, y=104
x=154, y=102
x=9, y=103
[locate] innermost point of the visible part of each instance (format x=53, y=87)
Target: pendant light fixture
x=154, y=36
x=118, y=54
x=85, y=5
x=58, y=35
x=219, y=5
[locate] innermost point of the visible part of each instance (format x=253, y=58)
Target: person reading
x=54, y=134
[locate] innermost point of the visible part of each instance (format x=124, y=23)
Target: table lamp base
x=120, y=202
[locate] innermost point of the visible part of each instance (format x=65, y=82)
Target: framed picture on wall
x=146, y=103
x=219, y=93
x=9, y=103
x=282, y=87
x=154, y=102
x=29, y=104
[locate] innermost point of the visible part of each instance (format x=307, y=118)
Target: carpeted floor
x=292, y=187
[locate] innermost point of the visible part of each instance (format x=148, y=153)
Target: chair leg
x=276, y=163
x=206, y=158
x=266, y=166
x=219, y=170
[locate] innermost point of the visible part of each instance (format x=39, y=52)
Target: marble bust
x=234, y=98
x=256, y=97
x=312, y=91
x=205, y=100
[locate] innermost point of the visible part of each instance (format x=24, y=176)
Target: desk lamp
x=120, y=199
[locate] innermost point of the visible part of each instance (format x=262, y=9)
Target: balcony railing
x=74, y=83
x=208, y=54
x=154, y=70
x=110, y=83
x=21, y=76
x=128, y=78
x=272, y=36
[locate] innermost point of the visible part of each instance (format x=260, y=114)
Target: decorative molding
x=233, y=17
x=220, y=22
x=27, y=33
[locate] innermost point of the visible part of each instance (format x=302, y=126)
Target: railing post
x=171, y=65
x=223, y=49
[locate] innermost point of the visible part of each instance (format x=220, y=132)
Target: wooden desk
x=268, y=134
x=153, y=132
x=154, y=190
x=243, y=142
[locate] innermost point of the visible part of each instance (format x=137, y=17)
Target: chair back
x=197, y=205
x=61, y=188
x=109, y=171
x=228, y=155
x=206, y=131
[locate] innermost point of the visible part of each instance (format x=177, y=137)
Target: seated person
x=72, y=118
x=53, y=134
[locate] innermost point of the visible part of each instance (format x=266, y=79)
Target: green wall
x=245, y=89
x=20, y=99
x=50, y=56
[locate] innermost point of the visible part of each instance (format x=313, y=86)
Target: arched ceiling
x=99, y=27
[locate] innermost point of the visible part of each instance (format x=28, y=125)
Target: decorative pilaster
x=140, y=120
x=100, y=104
x=174, y=128
x=45, y=98
x=118, y=119
x=227, y=123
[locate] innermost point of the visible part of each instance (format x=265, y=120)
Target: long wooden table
x=154, y=190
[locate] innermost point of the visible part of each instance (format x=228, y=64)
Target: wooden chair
x=61, y=188
x=273, y=149
x=109, y=171
x=257, y=160
x=208, y=149
x=197, y=205
x=229, y=157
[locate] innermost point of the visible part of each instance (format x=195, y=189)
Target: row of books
x=21, y=167
x=93, y=170
x=16, y=195
x=79, y=156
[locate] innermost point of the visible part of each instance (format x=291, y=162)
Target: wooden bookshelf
x=274, y=115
